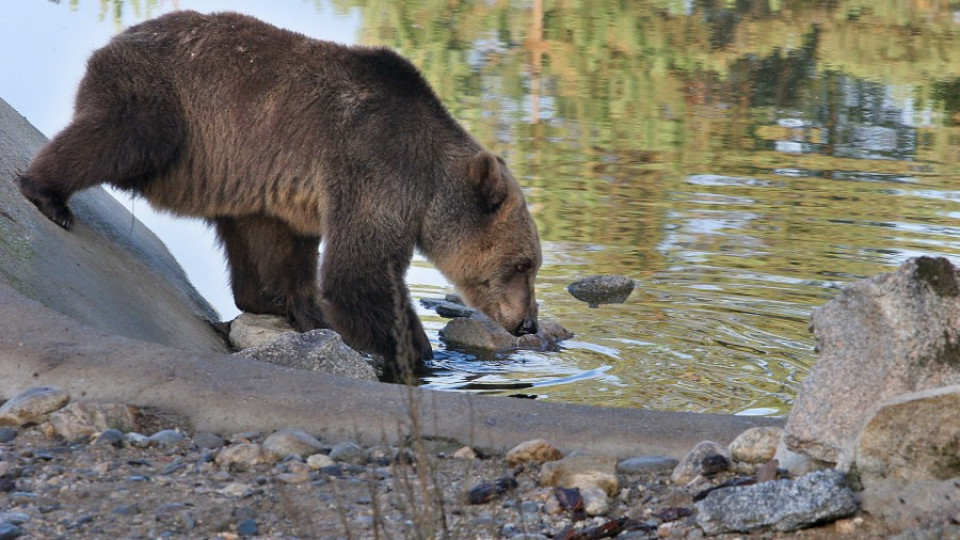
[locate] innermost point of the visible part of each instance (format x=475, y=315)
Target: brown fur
x=280, y=140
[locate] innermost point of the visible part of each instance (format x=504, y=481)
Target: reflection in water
x=742, y=160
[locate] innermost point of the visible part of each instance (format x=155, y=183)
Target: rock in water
x=449, y=308
x=318, y=350
x=596, y=290
x=482, y=333
x=881, y=337
x=782, y=505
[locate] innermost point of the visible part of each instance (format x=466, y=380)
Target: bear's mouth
x=527, y=326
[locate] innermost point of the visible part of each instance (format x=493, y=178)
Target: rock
x=692, y=465
x=31, y=406
x=595, y=501
x=937, y=531
x=207, y=440
x=7, y=434
x=798, y=464
x=9, y=531
x=595, y=290
x=166, y=437
x=537, y=450
x=111, y=437
x=883, y=336
x=136, y=440
x=640, y=464
x=447, y=308
x=247, y=528
x=318, y=350
x=582, y=471
x=901, y=507
x=911, y=437
x=482, y=333
x=292, y=441
x=782, y=505
x=249, y=330
x=348, y=452
x=241, y=457
x=756, y=445
x=80, y=420
x=465, y=453
x=319, y=461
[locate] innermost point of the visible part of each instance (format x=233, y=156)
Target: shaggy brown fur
x=280, y=140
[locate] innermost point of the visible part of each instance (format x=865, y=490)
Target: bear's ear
x=486, y=175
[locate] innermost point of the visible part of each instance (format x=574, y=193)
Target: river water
x=742, y=160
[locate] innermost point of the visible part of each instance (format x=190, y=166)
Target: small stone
x=537, y=450
x=9, y=531
x=299, y=477
x=595, y=501
x=207, y=440
x=756, y=445
x=348, y=452
x=167, y=438
x=691, y=465
x=641, y=464
x=16, y=518
x=319, y=461
x=250, y=330
x=242, y=457
x=465, y=453
x=136, y=440
x=7, y=434
x=80, y=420
x=111, y=437
x=247, y=528
x=582, y=471
x=127, y=510
x=595, y=290
x=292, y=441
x=32, y=406
x=236, y=489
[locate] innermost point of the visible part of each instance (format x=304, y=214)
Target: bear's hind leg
x=272, y=269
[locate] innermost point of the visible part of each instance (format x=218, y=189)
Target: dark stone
x=7, y=434
x=127, y=510
x=207, y=440
x=642, y=464
x=448, y=309
x=9, y=531
x=596, y=290
x=247, y=528
x=112, y=437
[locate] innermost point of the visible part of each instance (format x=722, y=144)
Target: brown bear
x=279, y=141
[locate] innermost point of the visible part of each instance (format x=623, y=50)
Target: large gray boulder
x=109, y=271
x=884, y=336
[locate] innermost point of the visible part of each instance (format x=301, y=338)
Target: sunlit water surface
x=743, y=164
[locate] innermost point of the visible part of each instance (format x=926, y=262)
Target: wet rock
x=911, y=437
x=692, y=465
x=32, y=406
x=901, y=507
x=318, y=350
x=537, y=450
x=80, y=420
x=241, y=457
x=782, y=505
x=482, y=333
x=348, y=452
x=293, y=441
x=596, y=290
x=883, y=336
x=166, y=438
x=640, y=464
x=582, y=471
x=7, y=434
x=756, y=445
x=448, y=307
x=207, y=440
x=249, y=330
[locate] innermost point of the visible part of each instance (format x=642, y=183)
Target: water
x=742, y=160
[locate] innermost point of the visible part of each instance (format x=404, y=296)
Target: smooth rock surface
x=32, y=406
x=881, y=337
x=81, y=420
x=581, y=470
x=756, y=445
x=600, y=289
x=292, y=441
x=782, y=505
x=251, y=330
x=691, y=465
x=322, y=351
x=912, y=437
x=537, y=450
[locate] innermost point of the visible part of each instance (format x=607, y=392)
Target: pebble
x=595, y=501
x=78, y=421
x=9, y=531
x=241, y=457
x=348, y=452
x=320, y=461
x=17, y=518
x=465, y=453
x=595, y=290
x=248, y=527
x=537, y=450
x=166, y=438
x=111, y=437
x=292, y=441
x=640, y=464
x=32, y=405
x=582, y=471
x=127, y=510
x=136, y=440
x=207, y=440
x=7, y=434
x=756, y=445
x=692, y=465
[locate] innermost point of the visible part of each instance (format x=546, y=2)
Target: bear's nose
x=528, y=326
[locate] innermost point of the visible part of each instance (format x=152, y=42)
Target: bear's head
x=482, y=238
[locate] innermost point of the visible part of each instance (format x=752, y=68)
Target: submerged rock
x=318, y=350
x=596, y=290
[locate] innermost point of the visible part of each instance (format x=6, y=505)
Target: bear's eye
x=523, y=268
x=492, y=207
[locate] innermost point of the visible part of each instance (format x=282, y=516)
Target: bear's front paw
x=50, y=204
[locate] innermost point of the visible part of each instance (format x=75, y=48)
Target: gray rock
x=17, y=518
x=7, y=434
x=595, y=290
x=32, y=406
x=582, y=471
x=136, y=440
x=80, y=420
x=796, y=463
x=782, y=505
x=317, y=350
x=250, y=330
x=9, y=531
x=447, y=308
x=482, y=333
x=247, y=528
x=881, y=337
x=111, y=437
x=756, y=445
x=901, y=507
x=642, y=464
x=348, y=452
x=691, y=465
x=293, y=441
x=937, y=531
x=207, y=440
x=166, y=437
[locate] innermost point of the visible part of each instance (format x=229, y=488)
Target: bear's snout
x=527, y=326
